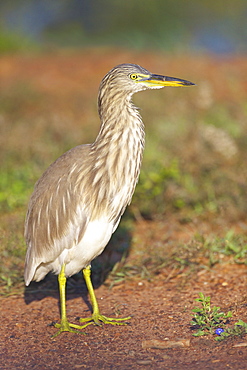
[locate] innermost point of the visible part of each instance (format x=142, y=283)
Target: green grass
x=154, y=257
x=233, y=245
x=13, y=42
x=12, y=253
x=15, y=188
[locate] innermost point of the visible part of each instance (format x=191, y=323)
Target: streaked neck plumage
x=118, y=150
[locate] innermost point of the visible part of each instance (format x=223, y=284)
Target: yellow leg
x=64, y=324
x=96, y=316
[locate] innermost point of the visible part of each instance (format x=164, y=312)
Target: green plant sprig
x=207, y=318
x=239, y=329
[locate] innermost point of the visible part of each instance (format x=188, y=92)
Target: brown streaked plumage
x=79, y=200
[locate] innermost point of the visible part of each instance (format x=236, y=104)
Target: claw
x=98, y=318
x=67, y=326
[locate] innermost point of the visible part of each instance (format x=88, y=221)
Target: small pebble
x=231, y=351
x=243, y=344
x=144, y=362
x=162, y=344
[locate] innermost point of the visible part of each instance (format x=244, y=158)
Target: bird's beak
x=158, y=81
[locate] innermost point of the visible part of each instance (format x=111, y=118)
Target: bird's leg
x=96, y=316
x=64, y=324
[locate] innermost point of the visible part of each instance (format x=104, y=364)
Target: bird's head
x=131, y=78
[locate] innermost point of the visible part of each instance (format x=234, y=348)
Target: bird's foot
x=97, y=319
x=67, y=326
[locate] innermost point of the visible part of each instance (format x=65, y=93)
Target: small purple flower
x=219, y=331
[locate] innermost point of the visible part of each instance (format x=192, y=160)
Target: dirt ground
x=160, y=310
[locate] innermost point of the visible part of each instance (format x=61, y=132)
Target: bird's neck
x=117, y=153
x=121, y=137
x=117, y=118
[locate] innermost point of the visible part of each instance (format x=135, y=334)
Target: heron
x=78, y=202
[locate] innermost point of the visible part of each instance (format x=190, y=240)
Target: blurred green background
x=208, y=25
x=192, y=188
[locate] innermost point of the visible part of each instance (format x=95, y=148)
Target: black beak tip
x=188, y=83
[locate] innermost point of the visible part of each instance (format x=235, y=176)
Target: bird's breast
x=95, y=238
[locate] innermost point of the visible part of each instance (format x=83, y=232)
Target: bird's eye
x=133, y=76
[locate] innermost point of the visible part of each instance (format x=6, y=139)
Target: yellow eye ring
x=133, y=76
